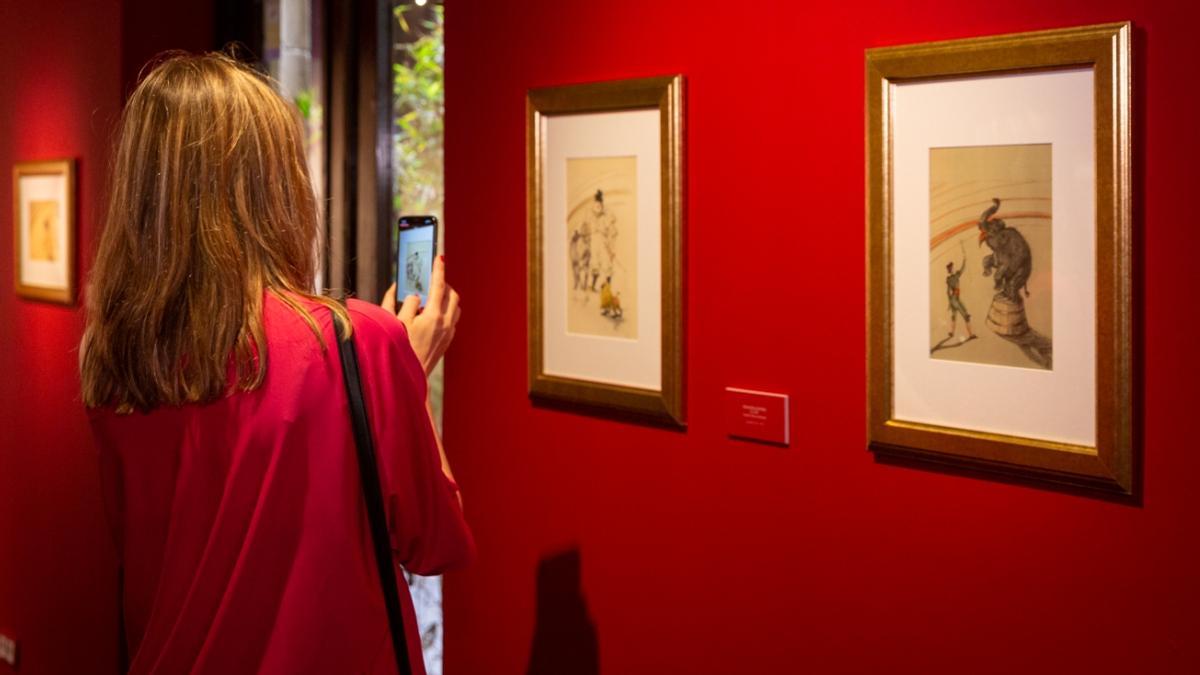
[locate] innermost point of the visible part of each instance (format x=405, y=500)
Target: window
x=417, y=110
x=293, y=51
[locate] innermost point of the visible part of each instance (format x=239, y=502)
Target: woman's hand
x=430, y=330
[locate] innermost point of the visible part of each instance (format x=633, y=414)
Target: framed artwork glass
x=999, y=256
x=44, y=230
x=605, y=177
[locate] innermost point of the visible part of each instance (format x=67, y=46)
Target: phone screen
x=414, y=256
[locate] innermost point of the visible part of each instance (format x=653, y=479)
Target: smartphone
x=415, y=248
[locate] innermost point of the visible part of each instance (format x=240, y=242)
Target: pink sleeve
x=429, y=534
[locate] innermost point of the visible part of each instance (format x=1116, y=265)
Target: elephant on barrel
x=1011, y=261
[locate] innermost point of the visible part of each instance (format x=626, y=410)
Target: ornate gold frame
x=57, y=167
x=1110, y=465
x=665, y=94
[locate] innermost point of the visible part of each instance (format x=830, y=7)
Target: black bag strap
x=369, y=471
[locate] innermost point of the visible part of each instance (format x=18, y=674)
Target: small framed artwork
x=605, y=183
x=44, y=230
x=999, y=255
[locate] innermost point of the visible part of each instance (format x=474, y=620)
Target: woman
x=217, y=398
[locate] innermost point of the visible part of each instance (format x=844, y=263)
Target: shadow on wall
x=564, y=636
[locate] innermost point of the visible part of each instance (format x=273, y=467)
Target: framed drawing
x=605, y=183
x=999, y=255
x=44, y=230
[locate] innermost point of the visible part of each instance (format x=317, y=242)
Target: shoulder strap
x=369, y=471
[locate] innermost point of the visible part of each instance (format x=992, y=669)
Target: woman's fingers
x=452, y=306
x=408, y=309
x=437, y=285
x=389, y=299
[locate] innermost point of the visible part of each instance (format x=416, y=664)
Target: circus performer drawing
x=953, y=296
x=43, y=230
x=416, y=259
x=990, y=253
x=412, y=270
x=602, y=246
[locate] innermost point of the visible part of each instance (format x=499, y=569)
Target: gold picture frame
x=44, y=230
x=1108, y=463
x=621, y=148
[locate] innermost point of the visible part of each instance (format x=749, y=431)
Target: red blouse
x=241, y=524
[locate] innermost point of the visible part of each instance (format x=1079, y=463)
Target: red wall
x=59, y=62
x=699, y=554
x=152, y=26
x=62, y=70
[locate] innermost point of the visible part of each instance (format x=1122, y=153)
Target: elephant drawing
x=1011, y=261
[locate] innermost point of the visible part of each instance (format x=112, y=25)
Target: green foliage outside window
x=419, y=107
x=312, y=113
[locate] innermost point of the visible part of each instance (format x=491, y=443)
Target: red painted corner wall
x=63, y=68
x=687, y=552
x=59, y=65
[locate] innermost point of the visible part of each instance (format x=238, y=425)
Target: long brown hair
x=210, y=207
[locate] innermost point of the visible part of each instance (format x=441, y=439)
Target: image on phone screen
x=414, y=256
